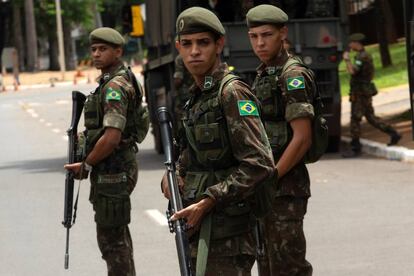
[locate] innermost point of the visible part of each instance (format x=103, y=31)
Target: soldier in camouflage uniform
x=226, y=155
x=286, y=90
x=182, y=82
x=110, y=151
x=362, y=90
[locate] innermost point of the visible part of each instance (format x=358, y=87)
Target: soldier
x=226, y=155
x=362, y=90
x=111, y=133
x=182, y=82
x=285, y=88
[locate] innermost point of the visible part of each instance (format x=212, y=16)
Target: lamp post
x=60, y=39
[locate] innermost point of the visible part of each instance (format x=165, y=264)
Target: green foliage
x=393, y=75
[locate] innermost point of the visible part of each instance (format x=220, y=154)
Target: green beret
x=265, y=14
x=106, y=35
x=197, y=20
x=358, y=37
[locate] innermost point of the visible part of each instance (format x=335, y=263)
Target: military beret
x=265, y=14
x=358, y=37
x=106, y=35
x=197, y=20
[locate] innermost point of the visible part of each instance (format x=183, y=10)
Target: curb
x=396, y=153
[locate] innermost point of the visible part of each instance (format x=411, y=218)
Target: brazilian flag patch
x=295, y=83
x=112, y=94
x=248, y=108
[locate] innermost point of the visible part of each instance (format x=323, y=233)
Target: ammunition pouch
x=279, y=134
x=110, y=199
x=320, y=139
x=226, y=222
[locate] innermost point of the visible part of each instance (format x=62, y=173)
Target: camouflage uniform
x=182, y=94
x=117, y=174
x=362, y=90
x=227, y=154
x=285, y=97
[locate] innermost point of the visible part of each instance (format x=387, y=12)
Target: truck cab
x=317, y=32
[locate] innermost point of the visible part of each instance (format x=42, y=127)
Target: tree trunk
x=53, y=52
x=18, y=35
x=390, y=28
x=382, y=38
x=31, y=37
x=67, y=41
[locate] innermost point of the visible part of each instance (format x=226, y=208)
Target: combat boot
x=395, y=137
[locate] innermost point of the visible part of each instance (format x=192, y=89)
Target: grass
x=394, y=75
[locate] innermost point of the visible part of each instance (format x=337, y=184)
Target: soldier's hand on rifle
x=194, y=213
x=164, y=185
x=78, y=170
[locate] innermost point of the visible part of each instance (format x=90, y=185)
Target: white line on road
x=157, y=216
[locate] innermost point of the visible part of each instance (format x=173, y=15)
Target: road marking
x=56, y=130
x=157, y=216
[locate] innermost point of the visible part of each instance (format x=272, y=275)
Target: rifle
x=178, y=226
x=78, y=101
x=260, y=248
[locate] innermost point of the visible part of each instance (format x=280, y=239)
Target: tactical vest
x=137, y=120
x=361, y=82
x=269, y=92
x=212, y=160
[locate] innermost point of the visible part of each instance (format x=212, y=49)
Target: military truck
x=317, y=31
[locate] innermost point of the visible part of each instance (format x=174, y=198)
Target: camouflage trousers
x=116, y=248
x=239, y=265
x=231, y=256
x=285, y=243
x=362, y=106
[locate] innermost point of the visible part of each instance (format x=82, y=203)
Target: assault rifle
x=178, y=226
x=78, y=101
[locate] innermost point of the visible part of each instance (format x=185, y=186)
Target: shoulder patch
x=358, y=62
x=295, y=83
x=248, y=108
x=112, y=94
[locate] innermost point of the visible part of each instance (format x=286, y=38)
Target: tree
x=4, y=19
x=382, y=36
x=31, y=36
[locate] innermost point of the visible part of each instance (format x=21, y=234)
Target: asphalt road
x=360, y=218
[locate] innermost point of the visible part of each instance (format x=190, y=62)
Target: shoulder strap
x=226, y=80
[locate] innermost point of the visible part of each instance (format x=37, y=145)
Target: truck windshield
x=235, y=10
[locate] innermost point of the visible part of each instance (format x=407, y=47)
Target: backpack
x=320, y=135
x=140, y=113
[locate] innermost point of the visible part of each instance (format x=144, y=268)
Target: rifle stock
x=178, y=226
x=78, y=101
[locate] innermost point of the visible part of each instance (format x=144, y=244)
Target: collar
x=112, y=71
x=274, y=67
x=212, y=80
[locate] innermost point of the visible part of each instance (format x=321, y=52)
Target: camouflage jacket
x=109, y=106
x=361, y=80
x=292, y=99
x=250, y=160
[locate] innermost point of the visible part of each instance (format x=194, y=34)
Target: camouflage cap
x=106, y=35
x=197, y=20
x=265, y=14
x=358, y=37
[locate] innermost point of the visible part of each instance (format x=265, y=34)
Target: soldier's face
x=267, y=41
x=200, y=52
x=104, y=55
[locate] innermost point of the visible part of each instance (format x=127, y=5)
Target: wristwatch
x=87, y=167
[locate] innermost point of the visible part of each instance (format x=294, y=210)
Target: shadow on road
x=37, y=166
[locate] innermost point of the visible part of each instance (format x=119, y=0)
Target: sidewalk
x=392, y=105
x=54, y=78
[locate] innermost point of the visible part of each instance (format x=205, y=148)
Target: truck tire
x=334, y=144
